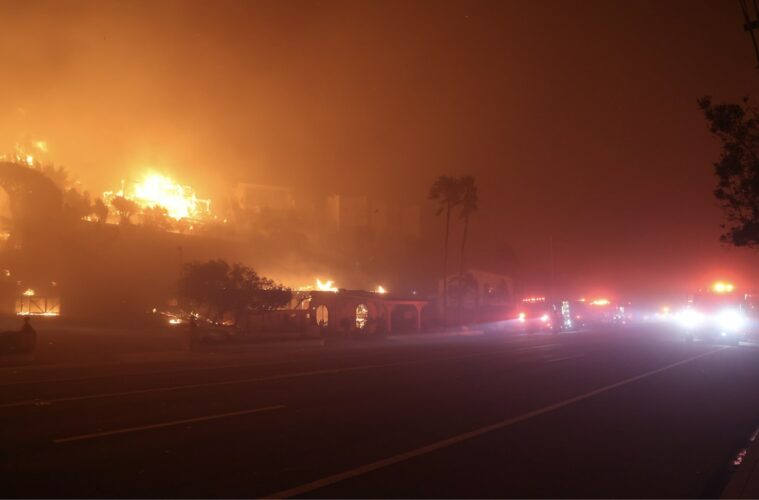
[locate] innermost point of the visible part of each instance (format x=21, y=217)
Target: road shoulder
x=744, y=483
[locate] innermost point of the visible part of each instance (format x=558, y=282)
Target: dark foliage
x=220, y=288
x=736, y=126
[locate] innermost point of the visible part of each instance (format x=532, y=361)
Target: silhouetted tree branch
x=736, y=126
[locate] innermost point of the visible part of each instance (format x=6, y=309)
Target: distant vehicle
x=718, y=314
x=536, y=314
x=573, y=314
x=596, y=312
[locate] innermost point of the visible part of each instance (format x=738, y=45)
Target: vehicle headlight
x=731, y=320
x=690, y=318
x=544, y=318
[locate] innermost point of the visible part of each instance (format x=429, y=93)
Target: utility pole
x=551, y=267
x=751, y=24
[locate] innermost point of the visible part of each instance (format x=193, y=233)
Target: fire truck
x=537, y=314
x=719, y=313
x=541, y=314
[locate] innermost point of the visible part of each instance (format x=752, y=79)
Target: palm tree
x=468, y=202
x=446, y=191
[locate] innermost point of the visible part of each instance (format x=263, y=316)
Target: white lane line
x=173, y=371
x=177, y=371
x=298, y=491
x=541, y=346
x=133, y=374
x=95, y=435
x=565, y=358
x=50, y=401
x=46, y=402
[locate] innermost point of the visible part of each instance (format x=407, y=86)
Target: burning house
x=32, y=303
x=157, y=190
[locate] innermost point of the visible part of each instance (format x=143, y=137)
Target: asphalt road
x=592, y=414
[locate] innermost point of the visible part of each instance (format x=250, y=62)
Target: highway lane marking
x=565, y=358
x=302, y=489
x=284, y=376
x=151, y=373
x=173, y=423
x=177, y=370
x=541, y=346
x=137, y=374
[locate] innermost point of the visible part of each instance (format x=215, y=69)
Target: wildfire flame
x=326, y=286
x=179, y=201
x=159, y=190
x=26, y=155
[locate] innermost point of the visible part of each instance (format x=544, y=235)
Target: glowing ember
x=28, y=293
x=380, y=289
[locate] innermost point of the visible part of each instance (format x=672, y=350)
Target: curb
x=744, y=483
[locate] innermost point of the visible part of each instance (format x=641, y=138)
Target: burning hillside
x=157, y=190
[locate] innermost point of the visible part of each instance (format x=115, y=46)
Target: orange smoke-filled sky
x=579, y=119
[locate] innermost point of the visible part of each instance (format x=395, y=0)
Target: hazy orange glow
x=722, y=287
x=380, y=289
x=213, y=93
x=600, y=302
